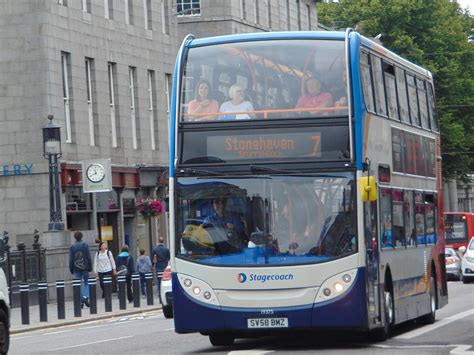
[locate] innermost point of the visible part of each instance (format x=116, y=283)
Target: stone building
x=103, y=69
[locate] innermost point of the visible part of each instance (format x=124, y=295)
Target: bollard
x=25, y=306
x=108, y=293
x=93, y=295
x=60, y=298
x=136, y=289
x=121, y=291
x=149, y=288
x=76, y=294
x=42, y=301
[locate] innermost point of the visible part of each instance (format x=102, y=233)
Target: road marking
x=251, y=352
x=13, y=337
x=459, y=349
x=59, y=332
x=94, y=326
x=429, y=328
x=92, y=343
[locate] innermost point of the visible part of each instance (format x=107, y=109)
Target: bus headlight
x=198, y=289
x=335, y=286
x=338, y=287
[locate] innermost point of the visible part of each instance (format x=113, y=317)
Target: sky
x=467, y=3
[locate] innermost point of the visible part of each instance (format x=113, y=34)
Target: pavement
x=17, y=327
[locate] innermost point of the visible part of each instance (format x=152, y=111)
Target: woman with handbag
x=104, y=264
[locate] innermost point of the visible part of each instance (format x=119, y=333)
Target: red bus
x=458, y=228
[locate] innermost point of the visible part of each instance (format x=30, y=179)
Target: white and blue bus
x=305, y=186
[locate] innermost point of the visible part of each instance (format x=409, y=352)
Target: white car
x=166, y=296
x=4, y=305
x=467, y=264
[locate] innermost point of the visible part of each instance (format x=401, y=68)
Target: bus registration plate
x=267, y=323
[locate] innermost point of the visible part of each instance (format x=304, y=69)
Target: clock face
x=95, y=172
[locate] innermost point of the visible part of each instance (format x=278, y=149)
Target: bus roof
x=328, y=35
x=322, y=35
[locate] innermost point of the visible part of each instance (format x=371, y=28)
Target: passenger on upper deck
x=202, y=103
x=313, y=97
x=340, y=94
x=236, y=104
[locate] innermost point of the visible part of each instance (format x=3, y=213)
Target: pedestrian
x=161, y=255
x=143, y=265
x=125, y=266
x=80, y=264
x=104, y=264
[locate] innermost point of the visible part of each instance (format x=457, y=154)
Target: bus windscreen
x=278, y=220
x=275, y=79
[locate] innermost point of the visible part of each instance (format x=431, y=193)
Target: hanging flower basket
x=150, y=207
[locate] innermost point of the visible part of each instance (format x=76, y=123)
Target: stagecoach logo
x=241, y=278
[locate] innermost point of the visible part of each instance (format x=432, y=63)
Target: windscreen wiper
x=262, y=168
x=195, y=171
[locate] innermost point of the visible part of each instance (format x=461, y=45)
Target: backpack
x=79, y=261
x=123, y=269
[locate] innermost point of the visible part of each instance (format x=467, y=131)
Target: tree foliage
x=434, y=35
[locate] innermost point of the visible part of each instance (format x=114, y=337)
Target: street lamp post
x=52, y=152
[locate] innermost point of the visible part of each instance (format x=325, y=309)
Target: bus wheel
x=168, y=311
x=4, y=333
x=381, y=334
x=221, y=339
x=430, y=317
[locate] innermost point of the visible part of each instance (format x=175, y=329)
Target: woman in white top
x=104, y=264
x=236, y=104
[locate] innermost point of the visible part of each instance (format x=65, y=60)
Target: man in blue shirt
x=228, y=222
x=80, y=265
x=161, y=255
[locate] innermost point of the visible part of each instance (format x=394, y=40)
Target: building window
x=168, y=89
x=128, y=7
x=109, y=9
x=308, y=14
x=152, y=114
x=66, y=75
x=165, y=17
x=86, y=6
x=242, y=9
x=287, y=9
x=256, y=15
x=147, y=14
x=114, y=117
x=62, y=2
x=188, y=7
x=298, y=14
x=89, y=62
x=269, y=14
x=132, y=73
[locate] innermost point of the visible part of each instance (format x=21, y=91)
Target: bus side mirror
x=368, y=188
x=462, y=249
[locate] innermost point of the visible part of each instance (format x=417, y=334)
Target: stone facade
x=45, y=41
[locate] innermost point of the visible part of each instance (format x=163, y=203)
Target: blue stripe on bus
x=172, y=128
x=358, y=103
x=267, y=36
x=347, y=311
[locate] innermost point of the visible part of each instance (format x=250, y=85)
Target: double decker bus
x=458, y=228
x=305, y=189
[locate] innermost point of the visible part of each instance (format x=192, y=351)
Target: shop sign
x=16, y=169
